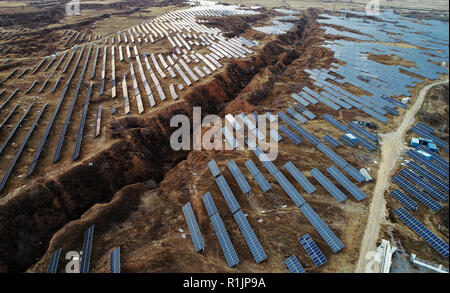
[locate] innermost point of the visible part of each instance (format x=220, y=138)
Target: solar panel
x=328, y=185
x=53, y=266
x=442, y=162
x=213, y=168
x=428, y=187
x=443, y=185
x=289, y=133
x=227, y=194
x=250, y=237
x=224, y=240
x=346, y=183
x=194, y=230
x=333, y=142
x=300, y=178
x=322, y=228
x=275, y=135
x=296, y=115
x=209, y=204
x=87, y=248
x=115, y=261
x=364, y=132
x=404, y=199
x=422, y=231
x=299, y=99
x=294, y=265
x=289, y=189
x=240, y=179
x=232, y=142
x=259, y=177
x=430, y=165
x=312, y=250
x=350, y=170
x=422, y=197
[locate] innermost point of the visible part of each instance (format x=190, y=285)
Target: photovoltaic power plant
x=300, y=178
x=115, y=261
x=328, y=185
x=208, y=202
x=404, y=199
x=430, y=165
x=346, y=183
x=213, y=168
x=224, y=240
x=425, y=185
x=227, y=194
x=441, y=161
x=53, y=265
x=422, y=231
x=259, y=177
x=250, y=237
x=320, y=226
x=289, y=189
x=194, y=230
x=240, y=179
x=289, y=133
x=433, y=179
x=294, y=265
x=87, y=248
x=418, y=194
x=312, y=250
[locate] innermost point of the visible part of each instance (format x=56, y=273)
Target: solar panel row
x=240, y=179
x=312, y=250
x=328, y=185
x=115, y=261
x=300, y=178
x=294, y=265
x=430, y=165
x=404, y=200
x=443, y=185
x=53, y=266
x=422, y=197
x=194, y=230
x=322, y=228
x=333, y=142
x=224, y=240
x=259, y=177
x=422, y=231
x=227, y=194
x=87, y=248
x=346, y=183
x=428, y=187
x=213, y=168
x=250, y=238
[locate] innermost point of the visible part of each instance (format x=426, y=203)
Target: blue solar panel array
x=439, y=142
x=300, y=99
x=213, y=168
x=296, y=115
x=309, y=98
x=328, y=185
x=87, y=248
x=289, y=189
x=427, y=186
x=240, y=179
x=224, y=240
x=115, y=261
x=422, y=197
x=346, y=183
x=363, y=131
x=441, y=161
x=250, y=237
x=305, y=112
x=312, y=250
x=333, y=142
x=430, y=165
x=194, y=230
x=435, y=180
x=404, y=200
x=320, y=226
x=53, y=266
x=294, y=265
x=227, y=194
x=422, y=231
x=259, y=177
x=300, y=178
x=208, y=202
x=289, y=133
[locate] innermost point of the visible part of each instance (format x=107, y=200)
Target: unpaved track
x=391, y=145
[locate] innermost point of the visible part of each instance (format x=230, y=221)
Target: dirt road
x=392, y=144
